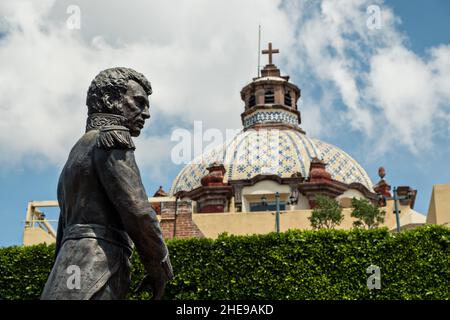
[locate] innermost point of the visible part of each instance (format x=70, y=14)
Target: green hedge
x=325, y=264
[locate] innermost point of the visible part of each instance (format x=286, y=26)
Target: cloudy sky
x=377, y=88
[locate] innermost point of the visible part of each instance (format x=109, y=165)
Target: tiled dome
x=280, y=152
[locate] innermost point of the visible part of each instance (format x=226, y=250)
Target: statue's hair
x=106, y=91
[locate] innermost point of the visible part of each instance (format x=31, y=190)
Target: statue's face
x=135, y=107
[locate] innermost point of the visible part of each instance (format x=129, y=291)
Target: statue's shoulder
x=115, y=137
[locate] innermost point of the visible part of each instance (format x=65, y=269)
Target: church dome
x=278, y=152
x=272, y=141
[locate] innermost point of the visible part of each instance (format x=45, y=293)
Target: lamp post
x=277, y=208
x=396, y=198
x=277, y=216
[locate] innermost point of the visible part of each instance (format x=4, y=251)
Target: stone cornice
x=271, y=116
x=269, y=107
x=263, y=177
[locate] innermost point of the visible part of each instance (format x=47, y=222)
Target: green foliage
x=327, y=214
x=368, y=215
x=324, y=264
x=24, y=271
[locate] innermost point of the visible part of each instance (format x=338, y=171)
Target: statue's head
x=121, y=91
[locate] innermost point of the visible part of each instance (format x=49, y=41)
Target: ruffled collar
x=101, y=120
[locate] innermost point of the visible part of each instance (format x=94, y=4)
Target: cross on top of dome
x=270, y=70
x=270, y=99
x=270, y=51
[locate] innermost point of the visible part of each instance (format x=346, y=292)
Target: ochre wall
x=439, y=209
x=187, y=224
x=36, y=235
x=242, y=223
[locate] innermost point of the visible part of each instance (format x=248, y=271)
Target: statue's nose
x=146, y=113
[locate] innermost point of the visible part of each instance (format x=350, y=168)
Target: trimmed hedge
x=324, y=264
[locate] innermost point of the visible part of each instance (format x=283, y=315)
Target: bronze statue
x=104, y=207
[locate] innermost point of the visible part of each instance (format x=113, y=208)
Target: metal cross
x=270, y=51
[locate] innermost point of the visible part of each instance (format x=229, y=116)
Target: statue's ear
x=112, y=101
x=108, y=100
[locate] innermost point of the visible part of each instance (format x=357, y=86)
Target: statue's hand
x=156, y=278
x=153, y=282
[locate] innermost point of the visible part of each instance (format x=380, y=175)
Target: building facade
x=236, y=186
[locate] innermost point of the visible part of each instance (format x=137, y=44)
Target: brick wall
x=182, y=225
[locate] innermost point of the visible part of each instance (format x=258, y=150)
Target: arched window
x=251, y=101
x=288, y=99
x=269, y=96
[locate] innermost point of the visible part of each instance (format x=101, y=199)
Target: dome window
x=267, y=206
x=269, y=96
x=288, y=99
x=252, y=101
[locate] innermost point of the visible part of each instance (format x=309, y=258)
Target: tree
x=368, y=215
x=327, y=214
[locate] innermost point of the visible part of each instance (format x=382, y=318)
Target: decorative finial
x=318, y=171
x=215, y=175
x=381, y=172
x=382, y=188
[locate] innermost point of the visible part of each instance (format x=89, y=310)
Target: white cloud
x=198, y=55
x=410, y=92
x=333, y=42
x=154, y=154
x=391, y=94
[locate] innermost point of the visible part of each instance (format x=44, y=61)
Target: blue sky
x=382, y=95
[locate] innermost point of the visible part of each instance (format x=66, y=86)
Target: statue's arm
x=119, y=175
x=60, y=230
x=59, y=235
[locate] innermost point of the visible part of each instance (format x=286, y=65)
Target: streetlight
x=264, y=203
x=396, y=198
x=277, y=216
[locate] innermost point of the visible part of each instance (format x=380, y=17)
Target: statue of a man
x=104, y=207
